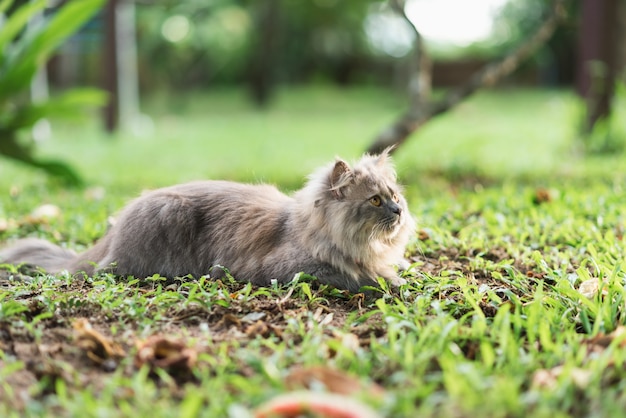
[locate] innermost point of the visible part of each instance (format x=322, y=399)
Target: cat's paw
x=404, y=265
x=396, y=281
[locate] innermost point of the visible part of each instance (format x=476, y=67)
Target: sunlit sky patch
x=459, y=22
x=455, y=23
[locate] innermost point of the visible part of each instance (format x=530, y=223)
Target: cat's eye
x=396, y=198
x=375, y=200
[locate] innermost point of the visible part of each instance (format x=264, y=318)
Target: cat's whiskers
x=382, y=231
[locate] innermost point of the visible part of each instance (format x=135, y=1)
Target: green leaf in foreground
x=22, y=53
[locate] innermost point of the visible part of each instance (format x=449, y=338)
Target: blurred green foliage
x=186, y=42
x=192, y=43
x=22, y=51
x=220, y=135
x=556, y=59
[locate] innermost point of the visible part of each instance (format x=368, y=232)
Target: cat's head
x=367, y=197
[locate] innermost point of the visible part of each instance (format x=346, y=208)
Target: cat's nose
x=397, y=209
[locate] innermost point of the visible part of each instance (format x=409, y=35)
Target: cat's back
x=211, y=203
x=190, y=227
x=219, y=191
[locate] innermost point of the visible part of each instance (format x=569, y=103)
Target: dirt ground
x=75, y=344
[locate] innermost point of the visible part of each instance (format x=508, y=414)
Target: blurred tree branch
x=421, y=109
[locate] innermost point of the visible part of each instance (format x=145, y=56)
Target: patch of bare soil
x=75, y=344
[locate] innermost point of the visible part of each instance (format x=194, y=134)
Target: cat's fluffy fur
x=347, y=226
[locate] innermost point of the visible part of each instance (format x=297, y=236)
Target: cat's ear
x=384, y=156
x=339, y=177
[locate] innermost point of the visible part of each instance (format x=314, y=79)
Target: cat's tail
x=37, y=252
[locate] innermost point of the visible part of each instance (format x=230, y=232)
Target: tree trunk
x=111, y=110
x=263, y=57
x=598, y=59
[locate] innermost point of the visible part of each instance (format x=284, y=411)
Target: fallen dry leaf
x=258, y=328
x=602, y=341
x=423, y=235
x=535, y=275
x=589, y=288
x=542, y=196
x=321, y=318
x=332, y=380
x=164, y=353
x=356, y=301
x=326, y=405
x=97, y=347
x=544, y=379
x=347, y=340
x=228, y=321
x=619, y=232
x=548, y=378
x=43, y=214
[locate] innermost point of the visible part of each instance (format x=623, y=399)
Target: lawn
x=515, y=306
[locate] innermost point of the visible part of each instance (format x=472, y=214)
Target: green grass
x=493, y=305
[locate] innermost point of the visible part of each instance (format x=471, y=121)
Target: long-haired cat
x=346, y=226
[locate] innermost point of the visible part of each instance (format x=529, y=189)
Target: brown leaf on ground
x=535, y=275
x=98, y=348
x=542, y=196
x=332, y=380
x=228, y=321
x=303, y=403
x=356, y=301
x=423, y=235
x=258, y=328
x=548, y=378
x=164, y=353
x=601, y=341
x=619, y=232
x=42, y=214
x=590, y=288
x=348, y=340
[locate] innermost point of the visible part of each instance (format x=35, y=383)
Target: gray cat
x=347, y=226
